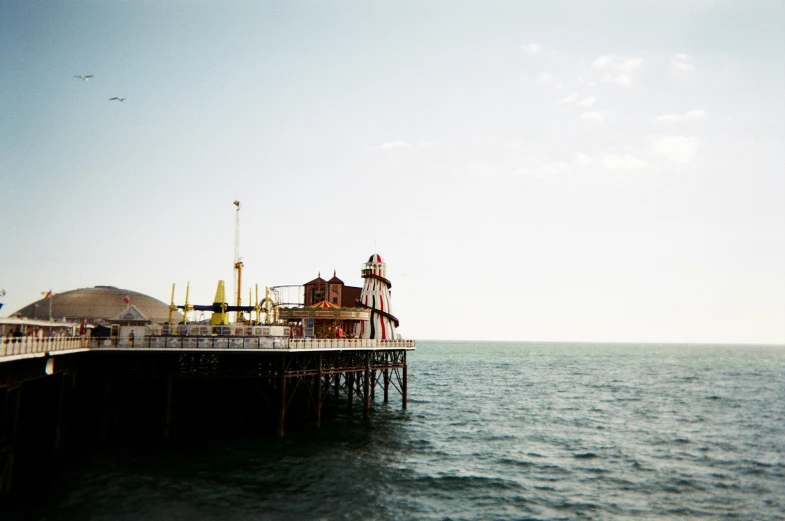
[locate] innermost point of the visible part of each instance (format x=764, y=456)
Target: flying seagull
x=84, y=77
x=121, y=100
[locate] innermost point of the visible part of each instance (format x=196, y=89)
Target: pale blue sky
x=594, y=170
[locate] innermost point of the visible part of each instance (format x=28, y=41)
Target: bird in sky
x=84, y=77
x=121, y=100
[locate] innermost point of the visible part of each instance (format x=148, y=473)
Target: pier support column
x=13, y=402
x=337, y=384
x=350, y=389
x=66, y=380
x=107, y=412
x=367, y=387
x=404, y=385
x=319, y=394
x=282, y=397
x=168, y=406
x=386, y=377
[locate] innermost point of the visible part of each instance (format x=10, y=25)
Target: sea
x=493, y=431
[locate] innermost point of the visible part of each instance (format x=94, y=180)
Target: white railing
x=244, y=342
x=29, y=345
x=346, y=343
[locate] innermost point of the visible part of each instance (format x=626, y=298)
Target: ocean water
x=494, y=431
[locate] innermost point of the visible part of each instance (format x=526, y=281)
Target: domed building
x=97, y=304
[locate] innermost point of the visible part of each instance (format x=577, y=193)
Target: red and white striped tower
x=376, y=297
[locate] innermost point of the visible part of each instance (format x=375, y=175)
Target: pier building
x=333, y=291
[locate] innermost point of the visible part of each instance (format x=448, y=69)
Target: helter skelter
x=376, y=297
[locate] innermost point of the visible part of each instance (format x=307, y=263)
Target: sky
x=609, y=171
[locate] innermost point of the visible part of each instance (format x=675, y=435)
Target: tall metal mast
x=238, y=263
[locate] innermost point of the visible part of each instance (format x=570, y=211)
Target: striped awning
x=323, y=304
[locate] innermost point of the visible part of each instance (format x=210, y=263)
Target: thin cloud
x=546, y=168
x=619, y=79
x=391, y=145
x=625, y=162
x=682, y=62
x=617, y=64
x=587, y=102
x=572, y=98
x=593, y=115
x=582, y=159
x=617, y=69
x=679, y=149
x=692, y=115
x=546, y=78
x=532, y=48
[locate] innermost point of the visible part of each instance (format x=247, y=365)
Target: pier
x=133, y=376
x=62, y=388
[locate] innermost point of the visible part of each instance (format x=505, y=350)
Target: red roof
x=318, y=281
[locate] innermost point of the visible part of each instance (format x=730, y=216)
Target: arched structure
x=96, y=304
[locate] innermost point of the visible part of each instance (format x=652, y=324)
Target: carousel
x=324, y=320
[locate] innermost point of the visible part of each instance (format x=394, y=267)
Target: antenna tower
x=238, y=263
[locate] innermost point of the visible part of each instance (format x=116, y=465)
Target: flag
x=127, y=299
x=47, y=294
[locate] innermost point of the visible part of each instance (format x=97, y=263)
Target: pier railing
x=345, y=343
x=246, y=342
x=31, y=345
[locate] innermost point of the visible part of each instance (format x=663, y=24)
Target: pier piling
x=405, y=382
x=367, y=387
x=168, y=406
x=319, y=393
x=386, y=382
x=350, y=390
x=66, y=382
x=282, y=397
